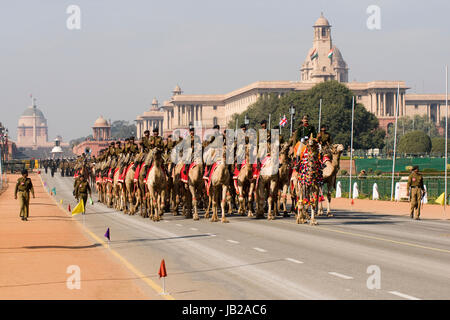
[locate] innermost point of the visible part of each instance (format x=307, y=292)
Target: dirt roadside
x=35, y=255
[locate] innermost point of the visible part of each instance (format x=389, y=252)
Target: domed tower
x=324, y=61
x=155, y=105
x=32, y=130
x=177, y=91
x=102, y=129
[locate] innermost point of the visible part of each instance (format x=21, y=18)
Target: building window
x=214, y=121
x=214, y=107
x=359, y=97
x=416, y=106
x=324, y=32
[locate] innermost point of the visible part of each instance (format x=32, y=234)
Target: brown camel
x=266, y=187
x=156, y=183
x=220, y=181
x=284, y=178
x=245, y=185
x=330, y=172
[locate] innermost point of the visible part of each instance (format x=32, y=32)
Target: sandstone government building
x=323, y=62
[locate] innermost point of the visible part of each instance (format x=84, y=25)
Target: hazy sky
x=128, y=52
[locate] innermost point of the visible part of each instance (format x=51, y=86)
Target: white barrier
x=425, y=197
x=338, y=190
x=397, y=192
x=355, y=191
x=375, y=194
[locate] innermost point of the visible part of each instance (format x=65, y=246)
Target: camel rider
x=155, y=141
x=324, y=139
x=132, y=148
x=303, y=133
x=111, y=150
x=215, y=142
x=190, y=144
x=145, y=141
x=263, y=124
x=169, y=144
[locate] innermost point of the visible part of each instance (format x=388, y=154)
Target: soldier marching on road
x=415, y=183
x=23, y=187
x=82, y=189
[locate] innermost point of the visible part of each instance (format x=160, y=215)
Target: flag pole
x=320, y=113
x=395, y=142
x=446, y=133
x=351, y=149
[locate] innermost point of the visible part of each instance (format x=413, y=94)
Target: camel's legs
x=224, y=194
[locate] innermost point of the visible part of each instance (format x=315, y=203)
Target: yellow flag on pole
x=440, y=199
x=79, y=208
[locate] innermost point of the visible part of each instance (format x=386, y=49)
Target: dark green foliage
x=336, y=114
x=121, y=129
x=414, y=142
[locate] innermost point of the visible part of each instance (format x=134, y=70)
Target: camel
x=245, y=184
x=195, y=185
x=156, y=183
x=284, y=178
x=266, y=187
x=220, y=180
x=311, y=180
x=129, y=189
x=329, y=174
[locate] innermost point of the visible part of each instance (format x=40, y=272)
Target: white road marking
x=402, y=295
x=165, y=221
x=293, y=260
x=210, y=234
x=340, y=275
x=233, y=241
x=260, y=250
x=195, y=229
x=179, y=225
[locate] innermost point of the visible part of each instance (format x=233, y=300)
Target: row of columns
x=148, y=124
x=102, y=133
x=378, y=104
x=191, y=114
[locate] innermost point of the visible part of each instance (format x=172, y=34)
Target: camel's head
x=337, y=148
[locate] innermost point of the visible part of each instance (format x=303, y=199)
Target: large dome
x=30, y=112
x=28, y=116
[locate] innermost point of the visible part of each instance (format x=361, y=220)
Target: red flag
x=162, y=270
x=353, y=202
x=68, y=208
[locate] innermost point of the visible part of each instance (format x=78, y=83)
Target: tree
x=336, y=114
x=414, y=142
x=438, y=146
x=121, y=129
x=408, y=124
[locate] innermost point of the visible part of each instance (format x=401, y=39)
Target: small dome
x=101, y=122
x=155, y=101
x=57, y=149
x=322, y=22
x=177, y=88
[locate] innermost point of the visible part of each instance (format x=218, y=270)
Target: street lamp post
x=292, y=112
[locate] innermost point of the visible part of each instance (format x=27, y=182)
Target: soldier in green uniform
x=23, y=187
x=324, y=138
x=82, y=189
x=415, y=183
x=169, y=145
x=145, y=140
x=132, y=148
x=190, y=143
x=156, y=141
x=215, y=141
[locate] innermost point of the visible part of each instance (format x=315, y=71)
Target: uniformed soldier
x=214, y=142
x=23, y=187
x=82, y=189
x=190, y=143
x=324, y=138
x=111, y=149
x=415, y=182
x=156, y=141
x=145, y=140
x=132, y=148
x=170, y=144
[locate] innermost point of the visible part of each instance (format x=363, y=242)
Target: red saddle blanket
x=124, y=173
x=138, y=171
x=148, y=172
x=183, y=176
x=209, y=175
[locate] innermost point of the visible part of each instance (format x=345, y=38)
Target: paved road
x=260, y=259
